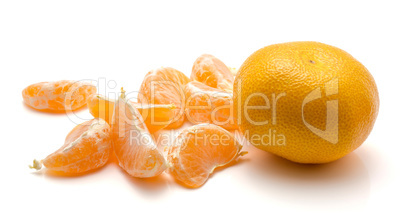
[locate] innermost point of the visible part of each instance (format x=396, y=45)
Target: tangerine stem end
x=37, y=165
x=123, y=93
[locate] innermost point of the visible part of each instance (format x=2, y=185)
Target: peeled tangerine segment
x=58, y=96
x=134, y=147
x=198, y=150
x=205, y=104
x=86, y=147
x=212, y=72
x=165, y=86
x=156, y=117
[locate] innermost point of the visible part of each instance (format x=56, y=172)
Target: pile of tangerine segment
x=166, y=99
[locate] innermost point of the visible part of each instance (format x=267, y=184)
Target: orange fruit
x=57, y=96
x=198, y=150
x=133, y=145
x=156, y=117
x=205, y=104
x=165, y=86
x=86, y=147
x=320, y=102
x=212, y=72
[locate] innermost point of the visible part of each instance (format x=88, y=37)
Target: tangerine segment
x=134, y=146
x=101, y=107
x=209, y=105
x=165, y=86
x=58, y=96
x=86, y=147
x=156, y=117
x=212, y=72
x=198, y=150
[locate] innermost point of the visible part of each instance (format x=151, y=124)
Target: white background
x=122, y=40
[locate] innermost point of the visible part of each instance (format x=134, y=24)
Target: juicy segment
x=156, y=117
x=212, y=72
x=198, y=150
x=205, y=104
x=101, y=107
x=134, y=147
x=57, y=96
x=86, y=147
x=165, y=86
